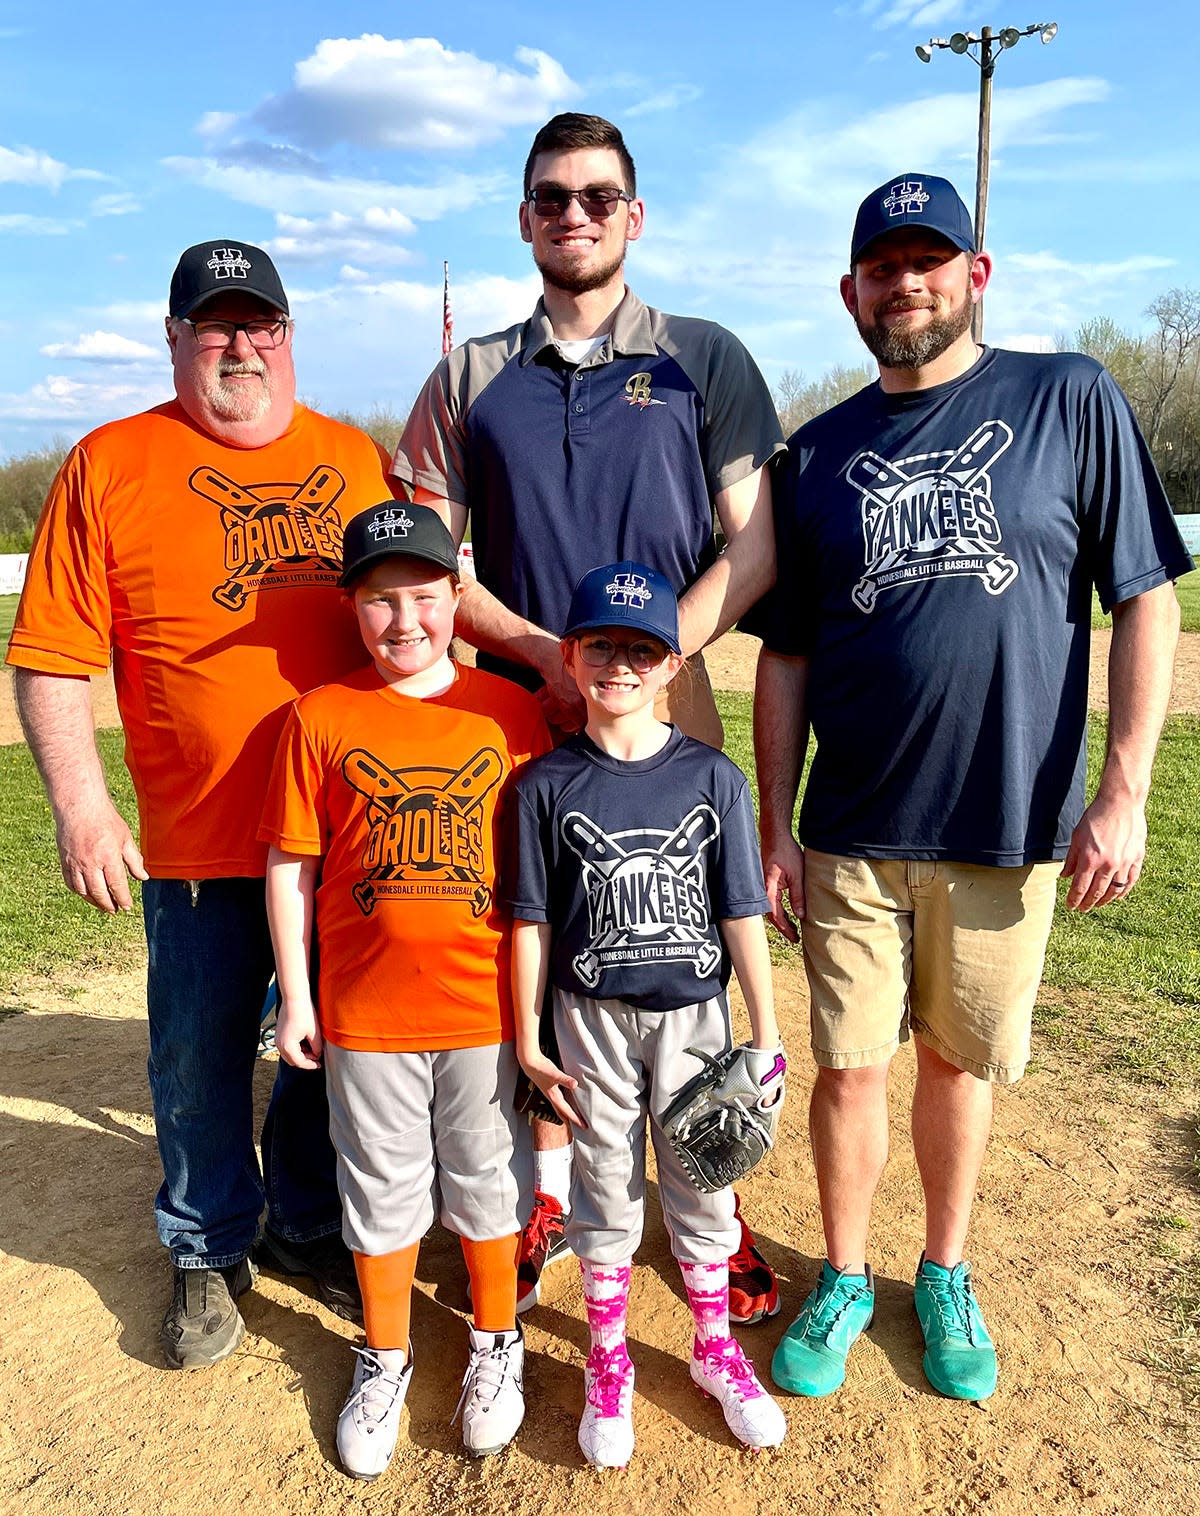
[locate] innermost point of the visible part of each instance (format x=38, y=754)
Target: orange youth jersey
x=400, y=798
x=209, y=573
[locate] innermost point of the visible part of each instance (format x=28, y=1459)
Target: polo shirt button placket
x=579, y=419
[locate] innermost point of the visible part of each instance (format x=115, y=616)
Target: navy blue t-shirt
x=634, y=864
x=937, y=552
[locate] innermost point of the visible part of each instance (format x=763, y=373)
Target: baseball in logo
x=425, y=835
x=931, y=517
x=276, y=535
x=647, y=901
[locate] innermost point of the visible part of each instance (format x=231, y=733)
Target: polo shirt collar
x=631, y=332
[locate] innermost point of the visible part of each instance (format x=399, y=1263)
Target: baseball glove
x=724, y=1121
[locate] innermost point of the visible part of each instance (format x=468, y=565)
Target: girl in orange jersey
x=382, y=817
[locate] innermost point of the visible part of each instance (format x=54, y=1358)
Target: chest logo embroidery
x=646, y=895
x=931, y=516
x=637, y=392
x=277, y=536
x=425, y=837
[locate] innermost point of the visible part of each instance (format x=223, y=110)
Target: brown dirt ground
x=1070, y=1245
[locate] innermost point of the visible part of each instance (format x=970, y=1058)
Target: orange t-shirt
x=400, y=797
x=210, y=574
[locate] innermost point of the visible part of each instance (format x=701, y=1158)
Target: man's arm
x=780, y=743
x=1109, y=844
x=486, y=623
x=95, y=846
x=743, y=573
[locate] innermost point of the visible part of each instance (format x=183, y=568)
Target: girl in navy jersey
x=636, y=886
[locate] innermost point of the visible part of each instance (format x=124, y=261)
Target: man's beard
x=579, y=283
x=899, y=347
x=238, y=402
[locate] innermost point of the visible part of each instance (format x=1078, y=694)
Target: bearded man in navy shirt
x=939, y=535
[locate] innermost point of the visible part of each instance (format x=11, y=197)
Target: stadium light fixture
x=984, y=50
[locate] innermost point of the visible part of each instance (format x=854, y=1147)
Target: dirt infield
x=1088, y=1190
x=1074, y=1195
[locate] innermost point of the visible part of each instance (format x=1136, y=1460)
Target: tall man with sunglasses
x=596, y=431
x=940, y=534
x=198, y=546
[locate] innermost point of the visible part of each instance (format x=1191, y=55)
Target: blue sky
x=363, y=143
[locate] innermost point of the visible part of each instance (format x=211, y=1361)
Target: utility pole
x=990, y=45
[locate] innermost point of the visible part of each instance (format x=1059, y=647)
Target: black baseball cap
x=625, y=594
x=395, y=529
x=223, y=267
x=913, y=200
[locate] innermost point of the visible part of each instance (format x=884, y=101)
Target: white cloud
x=102, y=347
x=1087, y=274
x=313, y=194
x=115, y=205
x=384, y=92
x=79, y=403
x=666, y=100
x=370, y=238
x=38, y=226
x=914, y=13
x=26, y=165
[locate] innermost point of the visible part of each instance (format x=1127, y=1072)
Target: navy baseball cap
x=395, y=529
x=625, y=594
x=913, y=200
x=223, y=267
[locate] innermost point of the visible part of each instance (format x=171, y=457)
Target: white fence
x=12, y=567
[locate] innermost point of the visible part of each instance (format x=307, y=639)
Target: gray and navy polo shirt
x=566, y=467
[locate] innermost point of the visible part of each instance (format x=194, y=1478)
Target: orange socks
x=492, y=1266
x=386, y=1283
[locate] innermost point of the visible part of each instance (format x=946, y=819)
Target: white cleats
x=369, y=1422
x=606, y=1427
x=492, y=1402
x=722, y=1371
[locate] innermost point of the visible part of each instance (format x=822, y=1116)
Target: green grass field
x=1122, y=986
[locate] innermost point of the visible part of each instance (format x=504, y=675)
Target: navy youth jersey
x=634, y=864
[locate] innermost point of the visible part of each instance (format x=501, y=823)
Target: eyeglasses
x=642, y=656
x=262, y=334
x=597, y=201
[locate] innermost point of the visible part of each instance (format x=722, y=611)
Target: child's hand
x=297, y=1035
x=551, y=1080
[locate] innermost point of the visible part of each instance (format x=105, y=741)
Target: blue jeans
x=210, y=963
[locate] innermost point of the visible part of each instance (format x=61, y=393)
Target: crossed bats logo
x=647, y=892
x=931, y=516
x=424, y=823
x=271, y=524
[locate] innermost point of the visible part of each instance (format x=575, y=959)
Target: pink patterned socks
x=606, y=1296
x=707, y=1286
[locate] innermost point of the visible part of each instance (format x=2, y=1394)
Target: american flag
x=447, y=317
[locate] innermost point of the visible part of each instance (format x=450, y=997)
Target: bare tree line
x=1159, y=370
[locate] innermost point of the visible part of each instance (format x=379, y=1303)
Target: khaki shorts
x=953, y=951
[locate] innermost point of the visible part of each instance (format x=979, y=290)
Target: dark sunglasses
x=597, y=201
x=642, y=655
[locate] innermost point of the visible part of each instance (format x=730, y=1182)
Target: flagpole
x=447, y=317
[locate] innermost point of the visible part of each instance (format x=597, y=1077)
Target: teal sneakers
x=960, y=1360
x=811, y=1359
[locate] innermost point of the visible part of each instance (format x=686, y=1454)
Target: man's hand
x=783, y=871
x=562, y=704
x=95, y=848
x=297, y=1034
x=1108, y=849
